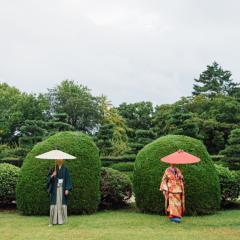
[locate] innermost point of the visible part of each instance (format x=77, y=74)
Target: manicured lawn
x=122, y=224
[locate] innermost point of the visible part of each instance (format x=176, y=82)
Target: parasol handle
x=55, y=166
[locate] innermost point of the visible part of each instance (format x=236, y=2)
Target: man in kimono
x=172, y=186
x=58, y=186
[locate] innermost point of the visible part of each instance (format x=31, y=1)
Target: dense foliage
x=77, y=102
x=210, y=114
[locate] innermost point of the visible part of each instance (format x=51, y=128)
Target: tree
x=9, y=117
x=137, y=115
x=161, y=117
x=78, y=103
x=139, y=120
x=232, y=151
x=214, y=81
x=236, y=93
x=183, y=122
x=213, y=136
x=104, y=139
x=225, y=109
x=58, y=123
x=143, y=137
x=15, y=108
x=177, y=119
x=112, y=137
x=34, y=131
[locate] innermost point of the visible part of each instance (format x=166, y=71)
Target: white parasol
x=55, y=155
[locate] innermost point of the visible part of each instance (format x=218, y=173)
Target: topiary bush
x=229, y=183
x=32, y=198
x=8, y=181
x=202, y=189
x=116, y=188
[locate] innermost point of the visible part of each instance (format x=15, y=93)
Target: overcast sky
x=128, y=50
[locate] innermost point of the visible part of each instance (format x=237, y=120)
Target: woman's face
x=59, y=162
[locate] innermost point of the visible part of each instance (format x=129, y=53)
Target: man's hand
x=54, y=174
x=66, y=192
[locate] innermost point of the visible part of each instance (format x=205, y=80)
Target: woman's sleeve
x=163, y=185
x=182, y=181
x=183, y=194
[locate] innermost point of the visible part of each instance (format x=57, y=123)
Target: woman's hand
x=66, y=192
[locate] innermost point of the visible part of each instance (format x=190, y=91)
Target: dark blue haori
x=62, y=173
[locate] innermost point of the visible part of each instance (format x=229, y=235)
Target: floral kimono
x=172, y=186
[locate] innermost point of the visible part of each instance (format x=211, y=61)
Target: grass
x=121, y=225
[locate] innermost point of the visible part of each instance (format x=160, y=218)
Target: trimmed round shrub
x=116, y=188
x=202, y=189
x=229, y=183
x=32, y=198
x=8, y=181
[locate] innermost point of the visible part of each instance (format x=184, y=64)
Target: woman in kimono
x=58, y=186
x=172, y=186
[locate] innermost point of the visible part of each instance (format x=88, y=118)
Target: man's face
x=59, y=162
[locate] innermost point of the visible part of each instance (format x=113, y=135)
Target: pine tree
x=31, y=132
x=232, y=151
x=113, y=127
x=214, y=81
x=140, y=138
x=103, y=140
x=34, y=131
x=58, y=123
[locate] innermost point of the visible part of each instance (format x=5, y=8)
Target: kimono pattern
x=172, y=186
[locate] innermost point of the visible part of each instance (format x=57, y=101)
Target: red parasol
x=180, y=157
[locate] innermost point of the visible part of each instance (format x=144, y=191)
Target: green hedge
x=123, y=167
x=13, y=161
x=116, y=188
x=202, y=187
x=108, y=160
x=32, y=198
x=217, y=158
x=129, y=174
x=7, y=152
x=229, y=183
x=123, y=158
x=8, y=181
